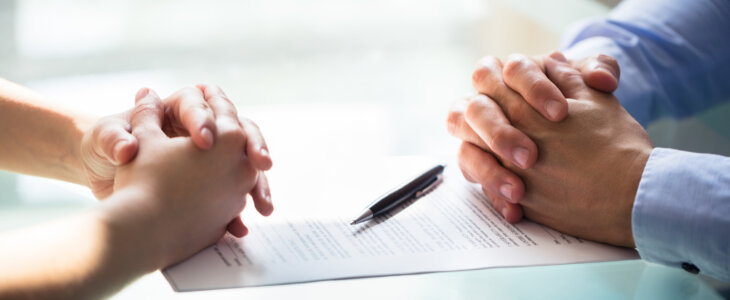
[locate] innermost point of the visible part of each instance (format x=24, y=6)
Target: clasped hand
x=591, y=151
x=198, y=121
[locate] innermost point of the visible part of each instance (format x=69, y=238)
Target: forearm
x=88, y=255
x=39, y=138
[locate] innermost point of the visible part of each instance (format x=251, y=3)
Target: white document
x=452, y=228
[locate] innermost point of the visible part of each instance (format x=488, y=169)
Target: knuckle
x=202, y=105
x=465, y=158
x=566, y=73
x=474, y=109
x=515, y=65
x=480, y=75
x=517, y=57
x=463, y=151
x=485, y=72
x=228, y=129
x=189, y=93
x=197, y=111
x=186, y=92
x=222, y=98
x=499, y=135
x=250, y=123
x=453, y=121
x=151, y=107
x=190, y=90
x=539, y=87
x=229, y=132
x=485, y=174
x=474, y=172
x=517, y=112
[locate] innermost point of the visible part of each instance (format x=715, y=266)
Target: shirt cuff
x=681, y=213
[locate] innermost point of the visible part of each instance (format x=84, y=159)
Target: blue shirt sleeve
x=675, y=61
x=681, y=213
x=674, y=55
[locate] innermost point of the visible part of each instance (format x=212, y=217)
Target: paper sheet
x=452, y=228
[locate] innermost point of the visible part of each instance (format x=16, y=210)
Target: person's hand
x=526, y=76
x=187, y=195
x=109, y=143
x=590, y=163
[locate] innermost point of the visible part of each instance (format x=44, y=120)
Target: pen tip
x=367, y=215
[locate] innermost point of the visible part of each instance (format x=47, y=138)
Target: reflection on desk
x=610, y=280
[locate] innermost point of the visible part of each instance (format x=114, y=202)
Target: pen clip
x=430, y=187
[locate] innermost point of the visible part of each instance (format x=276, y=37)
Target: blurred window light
x=64, y=28
x=47, y=29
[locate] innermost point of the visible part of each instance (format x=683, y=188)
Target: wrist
x=88, y=255
x=75, y=162
x=633, y=178
x=130, y=220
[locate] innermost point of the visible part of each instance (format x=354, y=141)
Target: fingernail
x=207, y=135
x=506, y=190
x=558, y=56
x=143, y=92
x=597, y=66
x=520, y=155
x=553, y=108
x=268, y=199
x=264, y=152
x=504, y=211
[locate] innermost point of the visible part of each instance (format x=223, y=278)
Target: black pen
x=413, y=189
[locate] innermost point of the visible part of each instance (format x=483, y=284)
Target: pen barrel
x=406, y=192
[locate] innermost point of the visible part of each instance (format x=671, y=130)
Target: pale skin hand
x=590, y=163
x=215, y=181
x=505, y=143
x=187, y=113
x=42, y=139
x=148, y=223
x=109, y=143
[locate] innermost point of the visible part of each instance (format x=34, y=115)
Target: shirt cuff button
x=690, y=268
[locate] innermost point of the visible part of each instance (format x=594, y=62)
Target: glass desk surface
x=371, y=78
x=606, y=280
x=27, y=200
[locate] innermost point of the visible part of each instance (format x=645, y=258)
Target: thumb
x=147, y=115
x=111, y=141
x=567, y=79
